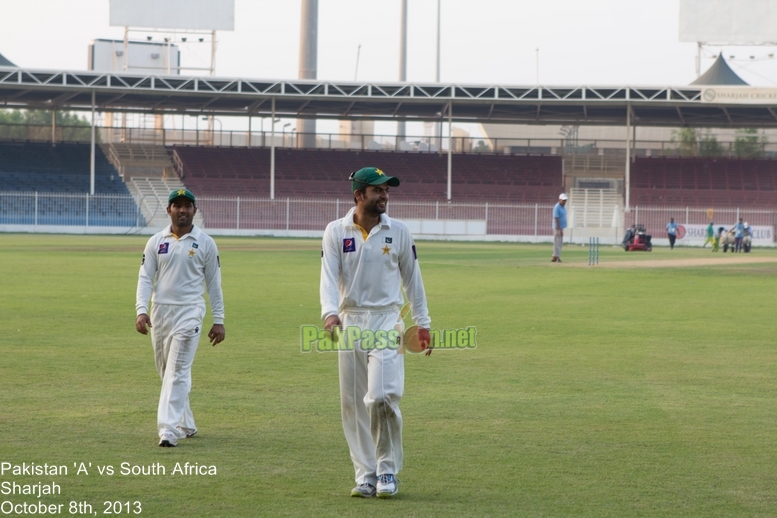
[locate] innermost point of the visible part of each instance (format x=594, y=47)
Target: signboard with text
x=696, y=234
x=739, y=95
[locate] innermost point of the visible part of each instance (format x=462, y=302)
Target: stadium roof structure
x=695, y=105
x=720, y=73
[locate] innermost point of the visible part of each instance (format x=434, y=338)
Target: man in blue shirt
x=671, y=231
x=739, y=233
x=559, y=224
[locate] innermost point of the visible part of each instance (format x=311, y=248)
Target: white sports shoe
x=168, y=440
x=363, y=491
x=387, y=486
x=186, y=431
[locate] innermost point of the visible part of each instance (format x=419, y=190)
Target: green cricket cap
x=371, y=176
x=181, y=193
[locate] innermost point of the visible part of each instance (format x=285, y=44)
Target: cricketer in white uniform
x=367, y=259
x=180, y=258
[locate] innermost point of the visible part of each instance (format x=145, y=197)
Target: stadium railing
x=75, y=213
x=69, y=209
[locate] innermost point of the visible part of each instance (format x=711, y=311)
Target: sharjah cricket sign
x=739, y=95
x=697, y=234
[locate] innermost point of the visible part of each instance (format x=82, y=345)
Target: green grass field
x=592, y=392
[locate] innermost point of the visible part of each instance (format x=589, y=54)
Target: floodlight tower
x=308, y=65
x=401, y=129
x=438, y=127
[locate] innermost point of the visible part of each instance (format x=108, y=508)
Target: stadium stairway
x=149, y=174
x=151, y=195
x=595, y=208
x=138, y=159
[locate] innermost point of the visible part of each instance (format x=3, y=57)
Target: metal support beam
x=272, y=152
x=63, y=98
x=450, y=150
x=130, y=93
x=125, y=54
x=728, y=115
x=91, y=161
x=113, y=99
x=213, y=45
x=698, y=59
x=254, y=105
x=680, y=114
x=627, y=178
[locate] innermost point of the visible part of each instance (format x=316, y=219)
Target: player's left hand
x=217, y=334
x=426, y=340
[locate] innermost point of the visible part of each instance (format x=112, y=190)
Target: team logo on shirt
x=349, y=245
x=387, y=240
x=195, y=245
x=163, y=248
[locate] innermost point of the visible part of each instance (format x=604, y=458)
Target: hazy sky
x=593, y=42
x=581, y=42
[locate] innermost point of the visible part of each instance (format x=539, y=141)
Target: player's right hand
x=333, y=321
x=142, y=323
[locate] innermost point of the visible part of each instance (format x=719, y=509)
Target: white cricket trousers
x=558, y=239
x=371, y=386
x=175, y=334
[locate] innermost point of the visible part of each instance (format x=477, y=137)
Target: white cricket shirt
x=370, y=274
x=180, y=266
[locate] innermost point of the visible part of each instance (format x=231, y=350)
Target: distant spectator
x=748, y=239
x=716, y=239
x=739, y=234
x=710, y=236
x=671, y=231
x=628, y=237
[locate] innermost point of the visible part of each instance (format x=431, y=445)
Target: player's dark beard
x=372, y=208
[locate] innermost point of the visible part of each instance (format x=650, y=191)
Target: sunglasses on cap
x=351, y=178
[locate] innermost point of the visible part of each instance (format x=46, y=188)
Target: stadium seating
x=323, y=173
x=35, y=166
x=704, y=182
x=64, y=168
